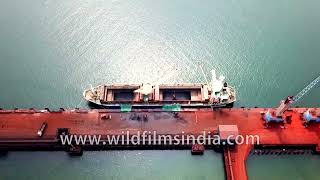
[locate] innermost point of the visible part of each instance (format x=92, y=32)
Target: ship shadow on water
x=95, y=106
x=3, y=155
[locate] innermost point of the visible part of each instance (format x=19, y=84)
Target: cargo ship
x=216, y=93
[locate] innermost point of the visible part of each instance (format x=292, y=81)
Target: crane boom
x=285, y=104
x=306, y=90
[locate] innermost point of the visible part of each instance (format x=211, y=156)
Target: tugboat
x=216, y=94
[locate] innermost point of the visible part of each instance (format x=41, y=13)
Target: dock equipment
x=106, y=117
x=228, y=134
x=277, y=116
x=197, y=149
x=284, y=105
x=309, y=118
x=42, y=129
x=270, y=118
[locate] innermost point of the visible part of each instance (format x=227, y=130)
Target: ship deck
x=21, y=126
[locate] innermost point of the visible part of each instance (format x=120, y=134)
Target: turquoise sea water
x=280, y=167
x=51, y=50
x=118, y=165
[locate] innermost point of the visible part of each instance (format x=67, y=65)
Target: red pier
x=20, y=128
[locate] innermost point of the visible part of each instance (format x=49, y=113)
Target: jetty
x=19, y=130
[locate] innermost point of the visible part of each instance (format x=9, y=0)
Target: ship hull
x=156, y=106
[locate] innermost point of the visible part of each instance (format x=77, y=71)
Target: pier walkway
x=18, y=128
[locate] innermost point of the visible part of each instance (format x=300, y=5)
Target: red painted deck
x=22, y=126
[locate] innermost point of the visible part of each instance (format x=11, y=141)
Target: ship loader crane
x=288, y=102
x=308, y=118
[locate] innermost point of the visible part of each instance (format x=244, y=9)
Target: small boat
x=217, y=93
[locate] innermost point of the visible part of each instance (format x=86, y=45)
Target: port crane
x=285, y=104
x=289, y=101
